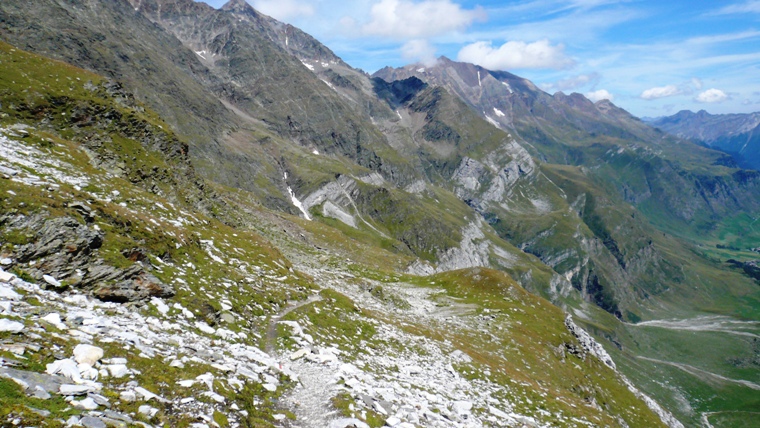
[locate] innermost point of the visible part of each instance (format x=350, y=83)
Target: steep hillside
x=367, y=185
x=682, y=189
x=735, y=134
x=125, y=302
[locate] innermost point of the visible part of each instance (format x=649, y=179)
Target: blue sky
x=650, y=57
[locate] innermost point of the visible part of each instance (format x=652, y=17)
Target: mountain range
x=735, y=134
x=247, y=222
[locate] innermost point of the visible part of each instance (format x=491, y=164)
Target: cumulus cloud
x=419, y=50
x=660, y=92
x=283, y=9
x=403, y=19
x=601, y=94
x=711, y=95
x=516, y=54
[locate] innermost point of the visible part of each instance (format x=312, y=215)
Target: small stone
x=87, y=354
x=6, y=307
x=214, y=396
x=10, y=326
x=270, y=387
x=128, y=396
x=69, y=389
x=461, y=407
x=6, y=276
x=300, y=353
x=43, y=413
x=92, y=422
x=118, y=416
x=52, y=281
x=414, y=370
x=55, y=319
x=118, y=370
x=39, y=392
x=177, y=363
x=67, y=368
x=161, y=307
x=101, y=400
x=86, y=404
x=6, y=261
x=7, y=293
x=392, y=421
x=147, y=395
x=147, y=410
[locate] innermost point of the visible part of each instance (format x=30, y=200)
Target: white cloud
x=601, y=94
x=516, y=54
x=419, y=50
x=660, y=92
x=283, y=9
x=696, y=82
x=711, y=96
x=402, y=19
x=573, y=82
x=751, y=6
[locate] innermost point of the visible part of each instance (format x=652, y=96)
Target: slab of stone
x=92, y=422
x=69, y=389
x=6, y=292
x=11, y=326
x=87, y=354
x=67, y=368
x=128, y=396
x=118, y=370
x=52, y=281
x=6, y=276
x=86, y=404
x=36, y=381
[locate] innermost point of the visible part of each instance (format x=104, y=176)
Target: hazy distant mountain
x=735, y=134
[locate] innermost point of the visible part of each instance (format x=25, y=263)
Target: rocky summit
x=208, y=219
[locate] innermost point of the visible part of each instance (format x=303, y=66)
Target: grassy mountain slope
x=487, y=350
x=431, y=175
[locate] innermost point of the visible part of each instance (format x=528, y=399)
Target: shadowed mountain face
x=735, y=134
x=434, y=168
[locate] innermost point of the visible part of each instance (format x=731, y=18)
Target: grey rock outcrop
x=64, y=249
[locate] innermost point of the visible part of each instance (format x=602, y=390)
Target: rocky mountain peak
x=238, y=6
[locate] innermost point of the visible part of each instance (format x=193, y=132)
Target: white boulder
x=87, y=354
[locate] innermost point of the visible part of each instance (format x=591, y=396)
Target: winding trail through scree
x=271, y=336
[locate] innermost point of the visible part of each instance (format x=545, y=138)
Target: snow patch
x=307, y=65
x=492, y=121
x=498, y=112
x=298, y=204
